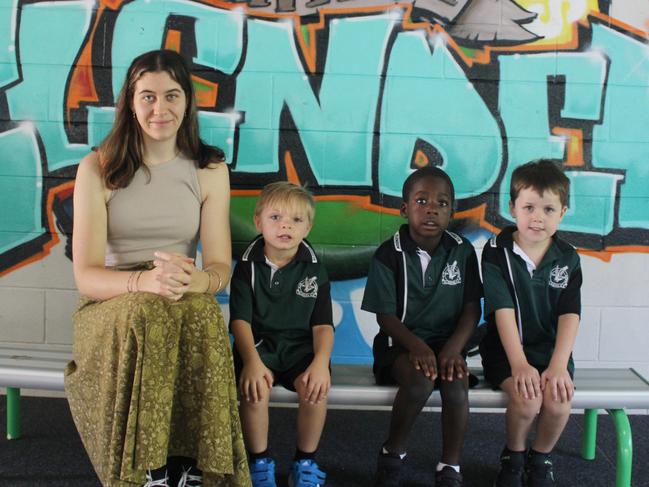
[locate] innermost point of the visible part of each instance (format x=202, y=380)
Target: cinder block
x=631, y=12
x=53, y=271
x=624, y=335
x=643, y=370
x=587, y=343
x=59, y=306
x=621, y=282
x=22, y=315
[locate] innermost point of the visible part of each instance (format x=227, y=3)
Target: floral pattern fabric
x=152, y=378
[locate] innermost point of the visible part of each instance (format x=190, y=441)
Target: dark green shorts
x=384, y=360
x=285, y=378
x=496, y=365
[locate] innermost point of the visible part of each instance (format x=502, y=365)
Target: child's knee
x=525, y=408
x=417, y=389
x=554, y=408
x=307, y=398
x=260, y=401
x=455, y=394
x=261, y=404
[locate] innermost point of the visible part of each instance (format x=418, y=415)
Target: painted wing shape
x=496, y=22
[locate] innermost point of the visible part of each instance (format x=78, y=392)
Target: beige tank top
x=156, y=212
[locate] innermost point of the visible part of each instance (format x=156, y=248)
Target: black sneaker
x=448, y=477
x=539, y=471
x=388, y=470
x=191, y=477
x=511, y=469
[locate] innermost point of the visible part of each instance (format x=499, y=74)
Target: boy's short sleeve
x=472, y=283
x=496, y=290
x=241, y=293
x=322, y=313
x=570, y=299
x=380, y=290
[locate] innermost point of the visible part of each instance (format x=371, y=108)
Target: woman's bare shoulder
x=214, y=178
x=214, y=170
x=215, y=163
x=91, y=163
x=89, y=174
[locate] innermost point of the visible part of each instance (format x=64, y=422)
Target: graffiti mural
x=346, y=97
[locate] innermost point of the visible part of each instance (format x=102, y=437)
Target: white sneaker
x=156, y=483
x=191, y=478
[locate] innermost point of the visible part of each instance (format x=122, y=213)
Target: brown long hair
x=121, y=151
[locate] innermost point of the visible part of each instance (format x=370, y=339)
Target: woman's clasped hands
x=171, y=277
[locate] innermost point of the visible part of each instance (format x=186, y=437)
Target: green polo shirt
x=553, y=289
x=430, y=303
x=281, y=310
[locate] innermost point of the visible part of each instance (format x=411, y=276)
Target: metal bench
x=613, y=390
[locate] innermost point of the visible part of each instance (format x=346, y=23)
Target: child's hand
x=423, y=358
x=559, y=381
x=316, y=380
x=256, y=380
x=451, y=365
x=527, y=381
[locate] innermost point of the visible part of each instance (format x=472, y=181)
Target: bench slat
x=595, y=389
x=353, y=385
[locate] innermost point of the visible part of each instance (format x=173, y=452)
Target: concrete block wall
x=348, y=102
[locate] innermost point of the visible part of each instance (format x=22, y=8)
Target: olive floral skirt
x=152, y=378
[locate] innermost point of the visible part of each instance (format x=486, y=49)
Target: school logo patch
x=451, y=275
x=559, y=277
x=308, y=287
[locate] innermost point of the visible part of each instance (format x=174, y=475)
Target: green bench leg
x=13, y=413
x=624, y=447
x=589, y=440
x=624, y=460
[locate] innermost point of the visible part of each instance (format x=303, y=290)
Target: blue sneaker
x=262, y=472
x=306, y=473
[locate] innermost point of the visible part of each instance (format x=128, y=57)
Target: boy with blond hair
x=281, y=319
x=532, y=281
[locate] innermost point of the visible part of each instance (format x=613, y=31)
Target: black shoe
x=191, y=477
x=448, y=477
x=539, y=471
x=511, y=469
x=388, y=470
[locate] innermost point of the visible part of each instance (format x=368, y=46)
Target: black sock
x=507, y=451
x=537, y=456
x=302, y=455
x=516, y=458
x=256, y=456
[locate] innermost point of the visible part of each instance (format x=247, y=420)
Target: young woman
x=151, y=385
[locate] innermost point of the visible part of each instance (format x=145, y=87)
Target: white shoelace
x=197, y=480
x=156, y=483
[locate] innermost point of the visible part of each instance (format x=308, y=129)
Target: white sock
x=441, y=465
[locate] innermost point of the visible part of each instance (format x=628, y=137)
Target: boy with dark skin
x=424, y=286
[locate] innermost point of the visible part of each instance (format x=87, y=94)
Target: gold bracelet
x=218, y=288
x=129, y=289
x=209, y=285
x=137, y=280
x=209, y=281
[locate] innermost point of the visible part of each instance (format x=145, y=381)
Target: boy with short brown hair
x=532, y=281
